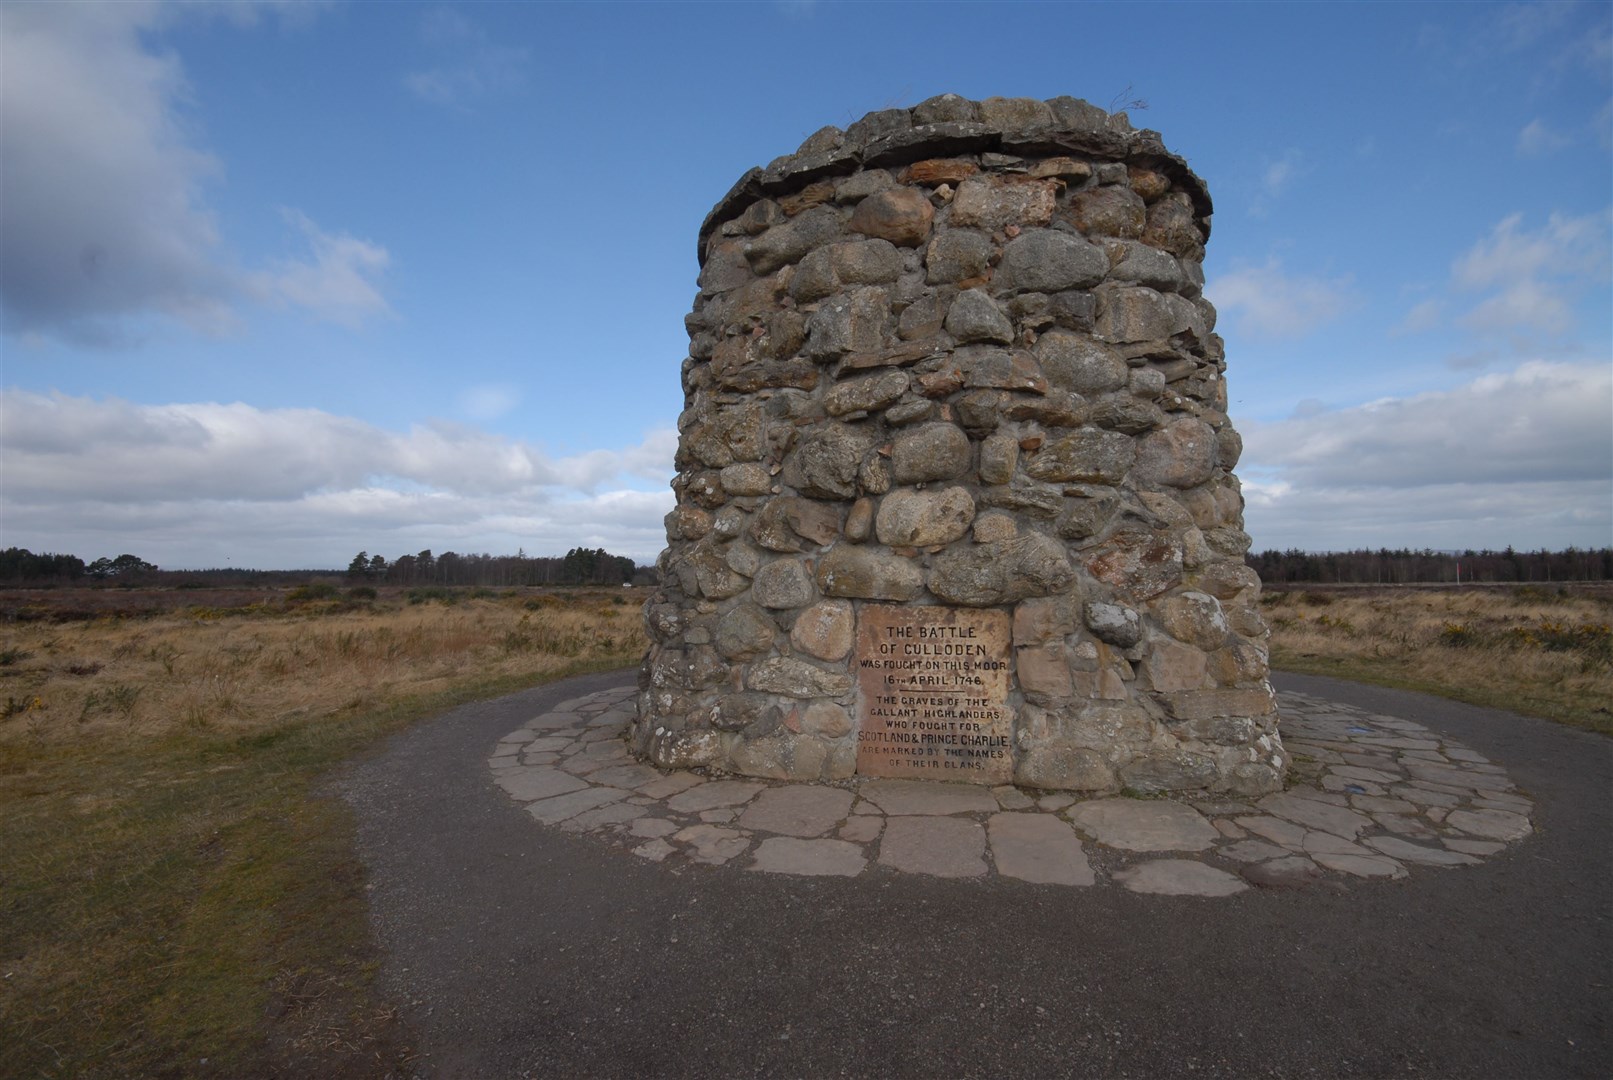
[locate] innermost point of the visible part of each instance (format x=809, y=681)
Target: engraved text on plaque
x=932, y=689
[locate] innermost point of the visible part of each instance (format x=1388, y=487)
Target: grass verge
x=176, y=897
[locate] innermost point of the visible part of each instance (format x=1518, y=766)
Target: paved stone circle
x=1370, y=796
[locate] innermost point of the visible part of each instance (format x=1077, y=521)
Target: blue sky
x=279, y=282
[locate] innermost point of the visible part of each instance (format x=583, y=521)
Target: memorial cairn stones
x=954, y=477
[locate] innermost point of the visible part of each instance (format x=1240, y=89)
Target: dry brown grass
x=118, y=677
x=177, y=897
x=1539, y=651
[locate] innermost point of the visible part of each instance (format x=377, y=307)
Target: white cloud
x=1271, y=303
x=297, y=487
x=105, y=225
x=1537, y=139
x=1534, y=275
x=1523, y=457
x=473, y=66
x=337, y=283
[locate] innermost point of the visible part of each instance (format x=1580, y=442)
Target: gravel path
x=527, y=948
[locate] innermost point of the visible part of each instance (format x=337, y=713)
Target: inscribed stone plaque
x=932, y=690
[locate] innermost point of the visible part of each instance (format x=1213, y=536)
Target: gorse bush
x=428, y=593
x=1458, y=636
x=314, y=590
x=1593, y=639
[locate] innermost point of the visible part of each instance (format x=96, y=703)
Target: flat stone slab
x=862, y=828
x=1406, y=851
x=615, y=813
x=804, y=810
x=1283, y=833
x=655, y=851
x=1367, y=866
x=1252, y=851
x=1145, y=825
x=1490, y=824
x=667, y=786
x=539, y=782
x=715, y=794
x=1368, y=797
x=712, y=843
x=813, y=858
x=1039, y=848
x=558, y=809
x=941, y=846
x=1312, y=813
x=1179, y=877
x=626, y=776
x=908, y=797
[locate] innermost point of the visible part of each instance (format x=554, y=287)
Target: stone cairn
x=954, y=487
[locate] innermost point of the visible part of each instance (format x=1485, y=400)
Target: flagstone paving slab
x=538, y=782
x=1490, y=824
x=1145, y=825
x=790, y=855
x=1179, y=877
x=710, y=796
x=941, y=846
x=1369, y=796
x=558, y=809
x=803, y=810
x=1406, y=851
x=1039, y=848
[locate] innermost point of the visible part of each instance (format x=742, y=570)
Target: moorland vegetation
x=1532, y=649
x=178, y=896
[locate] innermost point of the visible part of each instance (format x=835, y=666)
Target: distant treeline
x=20, y=564
x=1402, y=567
x=579, y=566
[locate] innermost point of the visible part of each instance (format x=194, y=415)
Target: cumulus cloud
x=105, y=223
x=473, y=67
x=1533, y=276
x=85, y=475
x=1270, y=303
x=1525, y=456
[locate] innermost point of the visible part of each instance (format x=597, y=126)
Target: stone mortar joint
x=954, y=478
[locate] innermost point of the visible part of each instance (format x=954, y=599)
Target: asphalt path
x=519, y=950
